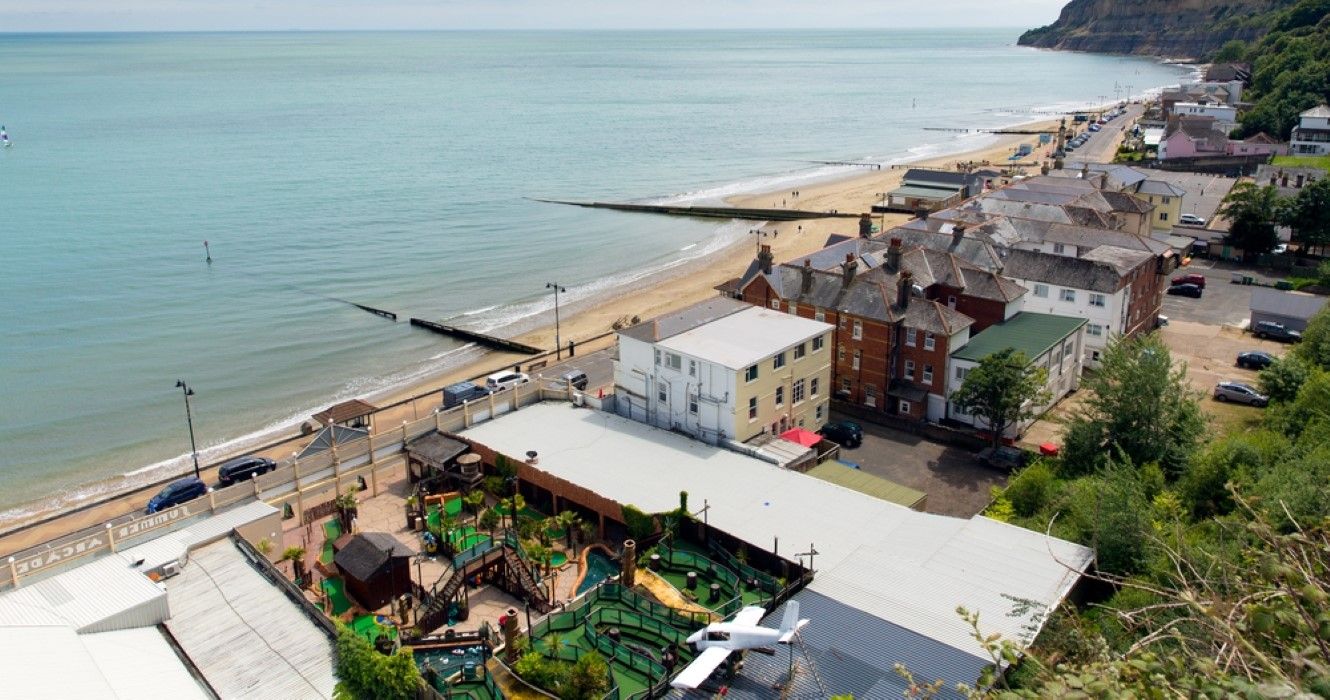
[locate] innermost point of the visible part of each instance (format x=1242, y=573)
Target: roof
x=365, y=553
x=436, y=447
x=1293, y=304
x=56, y=662
x=332, y=434
x=173, y=545
x=1030, y=333
x=1318, y=111
x=100, y=596
x=685, y=319
x=345, y=411
x=922, y=192
x=896, y=566
x=853, y=478
x=242, y=632
x=949, y=178
x=740, y=339
x=1160, y=187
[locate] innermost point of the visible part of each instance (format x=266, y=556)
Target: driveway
x=1223, y=303
x=955, y=483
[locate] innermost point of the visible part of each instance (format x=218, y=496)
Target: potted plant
x=463, y=611
x=347, y=508
x=411, y=511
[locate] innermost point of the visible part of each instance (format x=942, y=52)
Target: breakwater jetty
x=712, y=212
x=486, y=340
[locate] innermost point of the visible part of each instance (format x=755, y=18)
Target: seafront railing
x=299, y=484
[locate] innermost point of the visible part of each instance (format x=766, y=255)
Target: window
x=842, y=323
x=909, y=369
x=750, y=374
x=780, y=396
x=929, y=342
x=812, y=386
x=1097, y=300
x=845, y=384
x=928, y=374
x=1167, y=200
x=951, y=300
x=1041, y=290
x=961, y=372
x=752, y=408
x=909, y=337
x=793, y=307
x=657, y=356
x=855, y=364
x=692, y=405
x=800, y=351
x=797, y=391
x=1163, y=215
x=840, y=354
x=775, y=304
x=905, y=408
x=692, y=368
x=1094, y=329
x=1094, y=355
x=673, y=361
x=778, y=361
x=663, y=393
x=818, y=413
x=1059, y=249
x=1068, y=295
x=818, y=342
x=858, y=332
x=820, y=316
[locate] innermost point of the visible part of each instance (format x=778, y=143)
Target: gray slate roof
x=1159, y=187
x=1062, y=270
x=687, y=319
x=436, y=447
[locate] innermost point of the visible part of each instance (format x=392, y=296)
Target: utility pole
x=189, y=417
x=558, y=344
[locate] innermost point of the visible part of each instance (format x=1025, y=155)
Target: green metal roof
x=925, y=192
x=844, y=475
x=1032, y=334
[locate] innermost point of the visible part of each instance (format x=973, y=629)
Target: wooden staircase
x=446, y=588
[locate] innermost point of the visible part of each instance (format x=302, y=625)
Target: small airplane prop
x=718, y=639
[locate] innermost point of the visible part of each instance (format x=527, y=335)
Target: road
x=1103, y=144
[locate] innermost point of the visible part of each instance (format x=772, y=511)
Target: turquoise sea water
x=393, y=169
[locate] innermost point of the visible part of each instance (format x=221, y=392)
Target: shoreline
x=658, y=292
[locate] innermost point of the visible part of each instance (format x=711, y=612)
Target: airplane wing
x=750, y=616
x=700, y=670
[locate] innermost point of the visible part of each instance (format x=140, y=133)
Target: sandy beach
x=856, y=192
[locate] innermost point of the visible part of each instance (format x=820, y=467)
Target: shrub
x=1031, y=489
x=365, y=674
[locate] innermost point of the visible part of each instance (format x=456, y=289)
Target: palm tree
x=569, y=520
x=296, y=555
x=540, y=554
x=474, y=501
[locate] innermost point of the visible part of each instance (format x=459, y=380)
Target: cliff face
x=1184, y=29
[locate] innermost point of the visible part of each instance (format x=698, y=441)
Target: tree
x=569, y=521
x=1315, y=345
x=1139, y=407
x=1282, y=379
x=296, y=555
x=1252, y=212
x=474, y=501
x=365, y=674
x=489, y=520
x=1231, y=51
x=1308, y=215
x=588, y=679
x=1003, y=389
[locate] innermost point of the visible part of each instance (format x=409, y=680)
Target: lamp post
x=189, y=417
x=558, y=347
x=759, y=234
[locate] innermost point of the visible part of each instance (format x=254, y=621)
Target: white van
x=503, y=380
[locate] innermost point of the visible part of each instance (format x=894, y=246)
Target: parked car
x=177, y=492
x=1279, y=249
x=1186, y=290
x=846, y=433
x=1003, y=457
x=1238, y=392
x=1275, y=331
x=575, y=377
x=504, y=380
x=1095, y=127
x=1193, y=278
x=461, y=392
x=1161, y=321
x=243, y=469
x=1255, y=359
x=1191, y=220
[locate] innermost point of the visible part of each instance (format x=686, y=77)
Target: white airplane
x=718, y=639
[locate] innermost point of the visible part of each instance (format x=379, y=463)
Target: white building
x=725, y=369
x=1225, y=115
x=1312, y=135
x=1051, y=342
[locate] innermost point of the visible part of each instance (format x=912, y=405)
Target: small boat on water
x=4, y=137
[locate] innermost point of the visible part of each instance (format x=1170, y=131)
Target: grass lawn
x=1232, y=417
x=1322, y=162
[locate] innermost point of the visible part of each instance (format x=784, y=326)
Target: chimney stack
x=894, y=255
x=848, y=268
x=806, y=283
x=765, y=258
x=865, y=226
x=957, y=234
x=904, y=287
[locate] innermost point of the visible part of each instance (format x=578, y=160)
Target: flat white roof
x=909, y=568
x=56, y=662
x=744, y=337
x=102, y=595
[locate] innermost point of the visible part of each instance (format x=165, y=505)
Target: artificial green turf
x=336, y=591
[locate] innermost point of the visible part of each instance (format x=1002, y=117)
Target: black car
x=1275, y=331
x=1255, y=359
x=177, y=492
x=244, y=468
x=1008, y=458
x=846, y=433
x=1186, y=290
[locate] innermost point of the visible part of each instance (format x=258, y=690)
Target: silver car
x=1238, y=392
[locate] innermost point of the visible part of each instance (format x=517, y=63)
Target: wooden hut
x=375, y=566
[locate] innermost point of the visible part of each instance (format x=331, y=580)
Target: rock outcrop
x=1182, y=29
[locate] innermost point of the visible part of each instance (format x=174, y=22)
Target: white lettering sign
x=152, y=522
x=55, y=555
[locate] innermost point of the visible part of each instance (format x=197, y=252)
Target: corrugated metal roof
x=1295, y=304
x=1030, y=333
x=55, y=662
x=100, y=596
x=140, y=663
x=174, y=545
x=898, y=565
x=244, y=635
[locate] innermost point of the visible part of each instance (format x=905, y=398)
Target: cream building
x=724, y=369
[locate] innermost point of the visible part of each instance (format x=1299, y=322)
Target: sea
x=402, y=171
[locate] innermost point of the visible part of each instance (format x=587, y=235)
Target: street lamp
x=558, y=347
x=189, y=417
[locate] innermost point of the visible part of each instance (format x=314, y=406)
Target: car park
x=243, y=469
x=1275, y=331
x=1237, y=392
x=1185, y=290
x=1193, y=278
x=177, y=492
x=1002, y=457
x=505, y=380
x=845, y=433
x=1255, y=359
x=1191, y=220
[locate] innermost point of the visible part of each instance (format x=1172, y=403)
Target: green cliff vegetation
x=1290, y=68
x=1212, y=542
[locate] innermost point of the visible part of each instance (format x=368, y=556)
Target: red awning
x=807, y=438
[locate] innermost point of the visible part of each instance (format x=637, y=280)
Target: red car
x=1198, y=280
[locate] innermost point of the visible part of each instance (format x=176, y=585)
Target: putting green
x=558, y=559
x=336, y=591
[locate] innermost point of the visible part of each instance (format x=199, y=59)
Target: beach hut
x=375, y=566
x=349, y=414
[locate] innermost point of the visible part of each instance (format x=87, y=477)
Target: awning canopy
x=807, y=438
x=904, y=390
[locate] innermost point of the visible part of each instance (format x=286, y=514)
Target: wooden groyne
x=712, y=212
x=376, y=312
x=857, y=164
x=486, y=340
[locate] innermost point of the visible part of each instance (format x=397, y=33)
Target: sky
x=205, y=15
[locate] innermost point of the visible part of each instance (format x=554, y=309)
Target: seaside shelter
x=330, y=436
x=351, y=414
x=375, y=566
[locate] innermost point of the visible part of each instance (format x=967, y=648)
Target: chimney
x=904, y=287
x=894, y=254
x=628, y=564
x=848, y=268
x=957, y=234
x=1085, y=171
x=765, y=258
x=806, y=283
x=865, y=226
